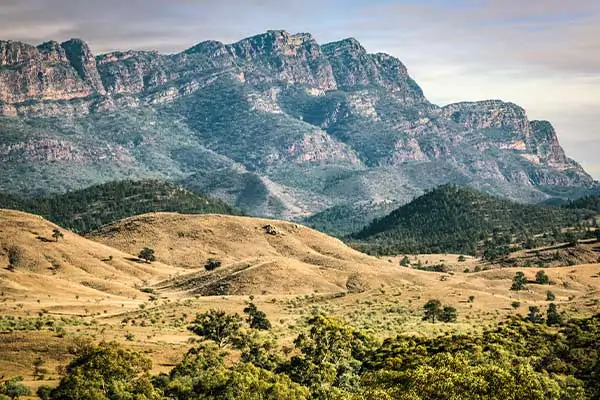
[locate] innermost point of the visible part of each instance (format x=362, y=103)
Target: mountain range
x=275, y=124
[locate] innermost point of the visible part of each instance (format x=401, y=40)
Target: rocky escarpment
x=307, y=126
x=50, y=71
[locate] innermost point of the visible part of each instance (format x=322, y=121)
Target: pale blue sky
x=541, y=54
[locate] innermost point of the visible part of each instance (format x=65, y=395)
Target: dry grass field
x=56, y=292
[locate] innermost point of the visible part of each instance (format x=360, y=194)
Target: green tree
x=542, y=278
x=203, y=375
x=147, y=254
x=550, y=296
x=432, y=310
x=515, y=304
x=330, y=360
x=448, y=314
x=56, y=234
x=256, y=318
x=405, y=262
x=44, y=392
x=106, y=371
x=14, y=389
x=535, y=315
x=553, y=317
x=519, y=281
x=218, y=326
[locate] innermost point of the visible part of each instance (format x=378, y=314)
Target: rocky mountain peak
x=354, y=68
x=348, y=45
x=211, y=48
x=489, y=114
x=12, y=53
x=281, y=56
x=52, y=51
x=81, y=58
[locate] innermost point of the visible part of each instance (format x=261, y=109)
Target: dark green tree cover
x=88, y=209
x=459, y=220
x=331, y=360
x=591, y=202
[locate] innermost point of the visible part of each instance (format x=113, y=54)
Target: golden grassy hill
x=33, y=264
x=284, y=258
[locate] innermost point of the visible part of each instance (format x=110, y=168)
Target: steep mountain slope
x=276, y=124
x=92, y=207
x=33, y=263
x=456, y=220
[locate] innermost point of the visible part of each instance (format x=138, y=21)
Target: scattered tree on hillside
x=553, y=317
x=535, y=315
x=147, y=254
x=515, y=304
x=432, y=310
x=257, y=319
x=519, y=281
x=218, y=326
x=405, y=262
x=448, y=314
x=550, y=296
x=56, y=234
x=542, y=278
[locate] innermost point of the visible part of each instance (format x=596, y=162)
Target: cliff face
x=47, y=72
x=323, y=124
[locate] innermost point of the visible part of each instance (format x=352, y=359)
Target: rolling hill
x=35, y=264
x=450, y=219
x=258, y=256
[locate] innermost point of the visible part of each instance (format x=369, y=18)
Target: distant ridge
x=452, y=219
x=88, y=209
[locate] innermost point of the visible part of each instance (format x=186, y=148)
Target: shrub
x=212, y=264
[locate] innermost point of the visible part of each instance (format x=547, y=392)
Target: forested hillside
x=461, y=220
x=90, y=208
x=587, y=202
